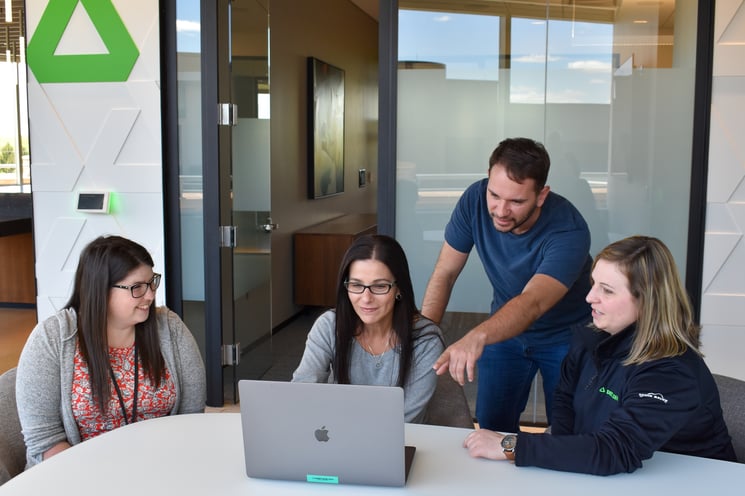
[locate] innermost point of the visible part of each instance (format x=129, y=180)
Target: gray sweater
x=45, y=375
x=315, y=365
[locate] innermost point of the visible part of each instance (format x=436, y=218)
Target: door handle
x=269, y=226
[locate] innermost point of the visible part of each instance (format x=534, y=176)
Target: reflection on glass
x=188, y=60
x=439, y=37
x=576, y=69
x=609, y=91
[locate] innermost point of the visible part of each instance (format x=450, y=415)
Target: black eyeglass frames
x=139, y=289
x=379, y=288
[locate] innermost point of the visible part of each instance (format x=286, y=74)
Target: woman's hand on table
x=483, y=443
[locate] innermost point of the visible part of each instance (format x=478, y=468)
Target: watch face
x=508, y=442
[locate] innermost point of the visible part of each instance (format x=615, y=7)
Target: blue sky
x=579, y=61
x=187, y=25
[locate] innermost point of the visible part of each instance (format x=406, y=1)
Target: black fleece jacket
x=608, y=417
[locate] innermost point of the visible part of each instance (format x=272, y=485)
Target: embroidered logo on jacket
x=608, y=392
x=656, y=396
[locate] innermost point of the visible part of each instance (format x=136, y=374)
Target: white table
x=202, y=454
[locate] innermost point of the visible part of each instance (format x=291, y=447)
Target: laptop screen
x=323, y=433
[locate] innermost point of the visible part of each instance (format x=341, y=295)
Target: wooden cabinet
x=17, y=279
x=318, y=253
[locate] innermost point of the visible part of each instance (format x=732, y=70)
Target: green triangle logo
x=114, y=66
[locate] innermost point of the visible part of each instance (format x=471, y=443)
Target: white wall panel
x=718, y=343
x=719, y=247
x=95, y=136
x=723, y=300
x=729, y=34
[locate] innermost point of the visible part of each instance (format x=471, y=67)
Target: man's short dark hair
x=522, y=158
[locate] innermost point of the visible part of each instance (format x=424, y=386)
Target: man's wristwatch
x=508, y=446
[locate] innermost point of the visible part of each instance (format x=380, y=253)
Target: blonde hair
x=665, y=327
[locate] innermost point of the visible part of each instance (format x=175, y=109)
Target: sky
x=577, y=68
x=187, y=25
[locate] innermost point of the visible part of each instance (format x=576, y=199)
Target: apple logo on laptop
x=322, y=434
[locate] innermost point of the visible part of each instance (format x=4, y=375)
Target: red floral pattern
x=151, y=402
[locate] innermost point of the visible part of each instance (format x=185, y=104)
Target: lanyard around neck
x=119, y=391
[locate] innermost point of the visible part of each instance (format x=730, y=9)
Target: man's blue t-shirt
x=557, y=245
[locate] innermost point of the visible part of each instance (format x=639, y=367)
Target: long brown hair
x=665, y=327
x=104, y=262
x=405, y=313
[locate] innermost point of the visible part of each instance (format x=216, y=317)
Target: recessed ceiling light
x=640, y=21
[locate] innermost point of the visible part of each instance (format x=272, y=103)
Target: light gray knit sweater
x=315, y=366
x=45, y=375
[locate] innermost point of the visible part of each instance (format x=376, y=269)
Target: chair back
x=732, y=398
x=448, y=405
x=12, y=447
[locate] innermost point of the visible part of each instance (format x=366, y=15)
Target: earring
x=398, y=297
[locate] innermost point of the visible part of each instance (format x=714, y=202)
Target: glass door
x=250, y=190
x=224, y=202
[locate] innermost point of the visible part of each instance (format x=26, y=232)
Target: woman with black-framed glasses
x=376, y=335
x=108, y=358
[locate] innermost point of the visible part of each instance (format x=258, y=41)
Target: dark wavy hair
x=405, y=313
x=104, y=262
x=522, y=158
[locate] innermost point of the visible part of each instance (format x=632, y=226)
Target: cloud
x=591, y=66
x=444, y=18
x=187, y=26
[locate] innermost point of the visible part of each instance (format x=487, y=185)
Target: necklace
x=119, y=391
x=378, y=359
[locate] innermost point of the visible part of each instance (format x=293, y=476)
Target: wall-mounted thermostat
x=93, y=202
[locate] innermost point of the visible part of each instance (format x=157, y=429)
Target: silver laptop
x=324, y=433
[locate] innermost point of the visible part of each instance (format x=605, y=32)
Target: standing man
x=534, y=246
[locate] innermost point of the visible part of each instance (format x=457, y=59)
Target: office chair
x=12, y=447
x=448, y=405
x=732, y=397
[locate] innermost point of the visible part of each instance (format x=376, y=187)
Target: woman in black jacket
x=633, y=383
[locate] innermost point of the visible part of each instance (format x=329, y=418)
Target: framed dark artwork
x=325, y=129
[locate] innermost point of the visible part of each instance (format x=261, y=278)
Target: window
x=609, y=91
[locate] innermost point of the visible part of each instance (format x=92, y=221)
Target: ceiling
x=11, y=32
x=370, y=7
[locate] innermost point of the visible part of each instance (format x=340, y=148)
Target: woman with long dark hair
x=376, y=335
x=108, y=358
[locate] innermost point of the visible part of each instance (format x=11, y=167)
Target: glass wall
x=14, y=158
x=609, y=91
x=190, y=164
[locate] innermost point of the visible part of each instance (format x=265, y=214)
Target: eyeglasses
x=379, y=288
x=139, y=289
